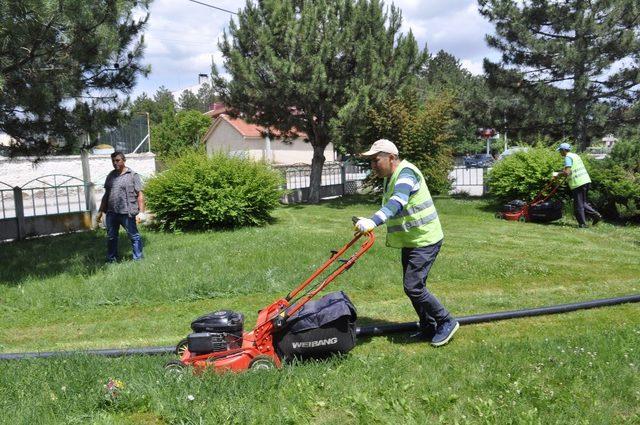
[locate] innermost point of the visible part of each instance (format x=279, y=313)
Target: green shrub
x=199, y=193
x=523, y=174
x=627, y=155
x=615, y=191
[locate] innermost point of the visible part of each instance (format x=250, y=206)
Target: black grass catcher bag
x=319, y=329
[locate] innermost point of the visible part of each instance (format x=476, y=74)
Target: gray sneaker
x=445, y=332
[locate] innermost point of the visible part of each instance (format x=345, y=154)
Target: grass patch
x=582, y=367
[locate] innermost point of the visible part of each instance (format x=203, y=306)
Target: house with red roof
x=237, y=137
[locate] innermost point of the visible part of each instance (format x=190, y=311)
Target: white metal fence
x=344, y=178
x=471, y=181
x=45, y=205
x=338, y=178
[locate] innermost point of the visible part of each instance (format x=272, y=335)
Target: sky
x=181, y=37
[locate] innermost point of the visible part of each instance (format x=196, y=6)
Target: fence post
x=485, y=187
x=20, y=223
x=343, y=177
x=88, y=185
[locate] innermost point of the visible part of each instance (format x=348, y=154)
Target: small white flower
x=190, y=397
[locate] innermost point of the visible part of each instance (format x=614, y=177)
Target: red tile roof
x=251, y=130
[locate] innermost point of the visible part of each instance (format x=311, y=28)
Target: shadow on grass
x=340, y=202
x=78, y=254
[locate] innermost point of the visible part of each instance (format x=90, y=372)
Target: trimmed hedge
x=523, y=174
x=200, y=193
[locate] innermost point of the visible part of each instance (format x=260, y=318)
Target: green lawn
x=582, y=367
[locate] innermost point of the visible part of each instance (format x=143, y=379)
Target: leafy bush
x=615, y=191
x=523, y=174
x=627, y=155
x=199, y=193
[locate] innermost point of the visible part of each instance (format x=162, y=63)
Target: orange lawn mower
x=218, y=342
x=541, y=209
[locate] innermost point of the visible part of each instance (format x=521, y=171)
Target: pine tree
x=579, y=57
x=316, y=67
x=164, y=104
x=188, y=100
x=63, y=65
x=206, y=97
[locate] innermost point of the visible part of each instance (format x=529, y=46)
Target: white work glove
x=141, y=217
x=365, y=225
x=555, y=174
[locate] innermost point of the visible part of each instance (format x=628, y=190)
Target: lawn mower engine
x=217, y=331
x=513, y=206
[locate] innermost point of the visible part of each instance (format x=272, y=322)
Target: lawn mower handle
x=368, y=243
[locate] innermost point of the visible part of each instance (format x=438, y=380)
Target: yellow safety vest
x=418, y=223
x=579, y=175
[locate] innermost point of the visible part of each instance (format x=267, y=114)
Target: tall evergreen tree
x=317, y=67
x=206, y=97
x=188, y=100
x=63, y=65
x=582, y=55
x=164, y=104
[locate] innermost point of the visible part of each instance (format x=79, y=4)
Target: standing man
x=122, y=202
x=414, y=227
x=579, y=182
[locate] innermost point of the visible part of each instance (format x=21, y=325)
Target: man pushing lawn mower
x=579, y=182
x=414, y=227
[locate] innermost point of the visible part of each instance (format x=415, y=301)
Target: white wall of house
x=226, y=138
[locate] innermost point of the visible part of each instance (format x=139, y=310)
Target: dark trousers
x=416, y=263
x=581, y=204
x=113, y=223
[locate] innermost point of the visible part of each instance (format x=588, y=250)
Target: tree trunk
x=581, y=81
x=316, y=171
x=580, y=125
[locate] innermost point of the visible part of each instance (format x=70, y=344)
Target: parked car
x=479, y=160
x=511, y=151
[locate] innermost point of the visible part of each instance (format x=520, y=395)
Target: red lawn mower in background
x=219, y=343
x=541, y=209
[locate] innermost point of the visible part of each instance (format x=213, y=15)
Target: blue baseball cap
x=564, y=147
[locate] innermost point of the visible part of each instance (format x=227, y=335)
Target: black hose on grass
x=372, y=330
x=107, y=352
x=375, y=330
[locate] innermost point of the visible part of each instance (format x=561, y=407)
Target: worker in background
x=123, y=203
x=414, y=227
x=579, y=182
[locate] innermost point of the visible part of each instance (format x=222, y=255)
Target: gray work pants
x=581, y=204
x=416, y=263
